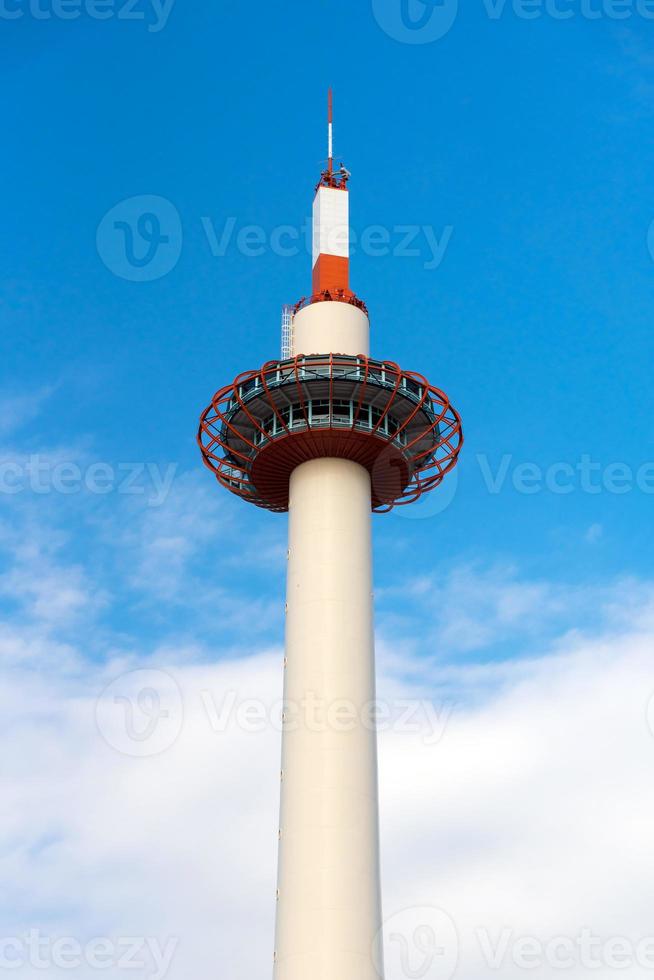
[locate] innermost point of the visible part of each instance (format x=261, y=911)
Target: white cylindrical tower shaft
x=329, y=904
x=339, y=328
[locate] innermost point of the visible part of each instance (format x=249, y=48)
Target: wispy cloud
x=530, y=784
x=635, y=67
x=17, y=410
x=537, y=781
x=494, y=612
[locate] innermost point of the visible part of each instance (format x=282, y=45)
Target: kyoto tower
x=330, y=435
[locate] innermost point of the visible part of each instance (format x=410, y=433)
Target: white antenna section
x=287, y=332
x=330, y=131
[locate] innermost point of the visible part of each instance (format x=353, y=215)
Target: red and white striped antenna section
x=331, y=233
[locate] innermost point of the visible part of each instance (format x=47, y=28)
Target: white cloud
x=492, y=611
x=532, y=812
x=594, y=533
x=17, y=410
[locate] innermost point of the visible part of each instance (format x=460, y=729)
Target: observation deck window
x=249, y=386
x=412, y=387
x=320, y=412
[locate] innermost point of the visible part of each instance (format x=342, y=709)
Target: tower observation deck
x=329, y=434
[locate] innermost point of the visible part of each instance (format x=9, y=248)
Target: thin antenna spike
x=330, y=132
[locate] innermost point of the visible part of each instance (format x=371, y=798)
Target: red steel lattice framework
x=405, y=459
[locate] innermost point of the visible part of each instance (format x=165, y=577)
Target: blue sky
x=521, y=146
x=529, y=139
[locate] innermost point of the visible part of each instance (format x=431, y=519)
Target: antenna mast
x=330, y=132
x=331, y=177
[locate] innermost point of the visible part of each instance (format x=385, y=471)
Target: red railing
x=425, y=467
